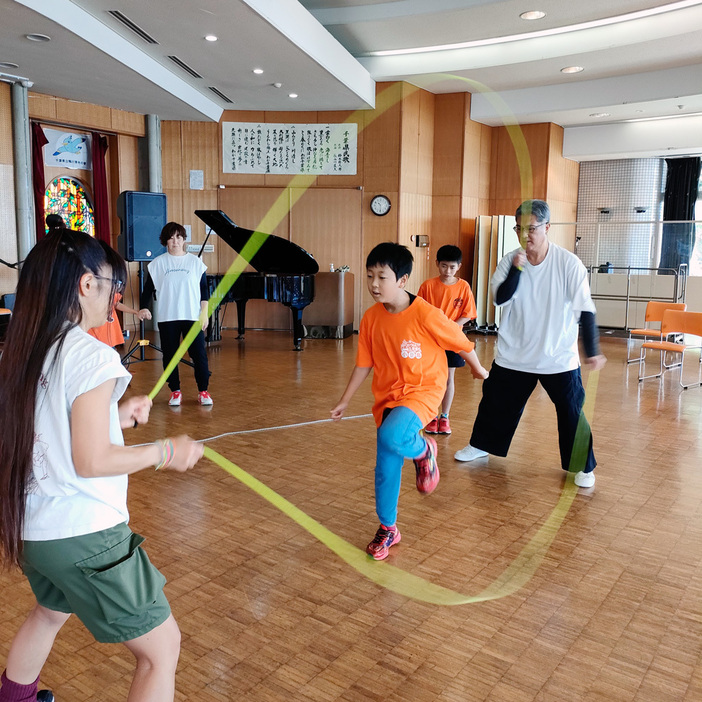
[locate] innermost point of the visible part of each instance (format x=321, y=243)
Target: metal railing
x=678, y=293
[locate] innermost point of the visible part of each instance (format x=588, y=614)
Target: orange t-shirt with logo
x=455, y=300
x=406, y=352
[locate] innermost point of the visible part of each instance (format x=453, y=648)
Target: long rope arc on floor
x=522, y=567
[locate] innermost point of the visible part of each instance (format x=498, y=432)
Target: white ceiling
x=642, y=59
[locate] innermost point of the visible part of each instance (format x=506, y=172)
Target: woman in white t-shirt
x=64, y=467
x=179, y=280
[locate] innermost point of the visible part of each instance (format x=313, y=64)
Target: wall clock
x=380, y=205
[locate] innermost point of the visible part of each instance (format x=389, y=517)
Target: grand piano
x=284, y=273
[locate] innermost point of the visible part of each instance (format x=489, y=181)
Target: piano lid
x=276, y=255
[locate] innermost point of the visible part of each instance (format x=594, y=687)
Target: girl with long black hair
x=64, y=468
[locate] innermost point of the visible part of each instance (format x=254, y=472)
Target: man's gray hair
x=538, y=208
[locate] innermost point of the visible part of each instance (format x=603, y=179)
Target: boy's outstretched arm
x=358, y=375
x=476, y=368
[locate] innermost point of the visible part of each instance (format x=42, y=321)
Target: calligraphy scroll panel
x=289, y=149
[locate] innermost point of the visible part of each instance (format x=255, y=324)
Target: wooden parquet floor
x=267, y=613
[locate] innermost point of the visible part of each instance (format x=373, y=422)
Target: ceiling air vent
x=185, y=67
x=220, y=94
x=131, y=26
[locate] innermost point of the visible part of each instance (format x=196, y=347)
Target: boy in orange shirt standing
x=454, y=297
x=402, y=339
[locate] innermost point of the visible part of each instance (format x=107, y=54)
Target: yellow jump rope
x=515, y=576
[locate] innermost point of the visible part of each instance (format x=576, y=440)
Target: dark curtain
x=100, y=203
x=38, y=141
x=681, y=187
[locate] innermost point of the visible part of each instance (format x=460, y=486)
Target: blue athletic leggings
x=398, y=438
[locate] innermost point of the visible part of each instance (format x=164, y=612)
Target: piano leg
x=214, y=328
x=297, y=327
x=241, y=317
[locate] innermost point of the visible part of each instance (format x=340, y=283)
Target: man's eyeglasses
x=531, y=230
x=117, y=283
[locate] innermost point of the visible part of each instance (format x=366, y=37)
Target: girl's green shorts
x=105, y=579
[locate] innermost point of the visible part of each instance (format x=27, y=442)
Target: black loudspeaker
x=142, y=217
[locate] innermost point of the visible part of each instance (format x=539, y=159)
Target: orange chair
x=654, y=314
x=675, y=322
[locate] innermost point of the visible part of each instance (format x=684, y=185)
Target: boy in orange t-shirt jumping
x=454, y=297
x=402, y=339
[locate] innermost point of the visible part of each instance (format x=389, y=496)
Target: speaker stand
x=143, y=342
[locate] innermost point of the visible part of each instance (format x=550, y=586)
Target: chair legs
x=637, y=359
x=663, y=366
x=642, y=365
x=685, y=386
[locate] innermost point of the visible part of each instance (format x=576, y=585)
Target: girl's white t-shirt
x=539, y=325
x=60, y=503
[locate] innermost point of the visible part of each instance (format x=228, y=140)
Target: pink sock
x=387, y=528
x=14, y=692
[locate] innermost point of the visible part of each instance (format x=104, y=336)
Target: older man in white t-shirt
x=544, y=294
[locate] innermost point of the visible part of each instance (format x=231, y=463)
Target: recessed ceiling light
x=599, y=114
x=258, y=71
x=553, y=31
x=210, y=37
x=37, y=37
x=572, y=69
x=532, y=15
x=292, y=95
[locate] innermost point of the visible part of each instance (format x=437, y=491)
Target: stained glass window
x=67, y=197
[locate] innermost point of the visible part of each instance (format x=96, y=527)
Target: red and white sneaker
x=427, y=469
x=382, y=541
x=204, y=398
x=432, y=427
x=444, y=426
x=176, y=397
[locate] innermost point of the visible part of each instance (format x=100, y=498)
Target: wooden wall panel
x=201, y=200
x=415, y=219
x=128, y=162
x=171, y=155
x=327, y=224
x=8, y=228
x=449, y=118
x=6, y=148
x=381, y=165
x=201, y=144
x=409, y=141
x=472, y=152
x=8, y=222
x=507, y=189
x=425, y=164
x=124, y=122
x=83, y=114
x=445, y=222
x=42, y=106
x=174, y=205
x=485, y=163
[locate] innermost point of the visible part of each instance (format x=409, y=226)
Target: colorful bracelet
x=167, y=453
